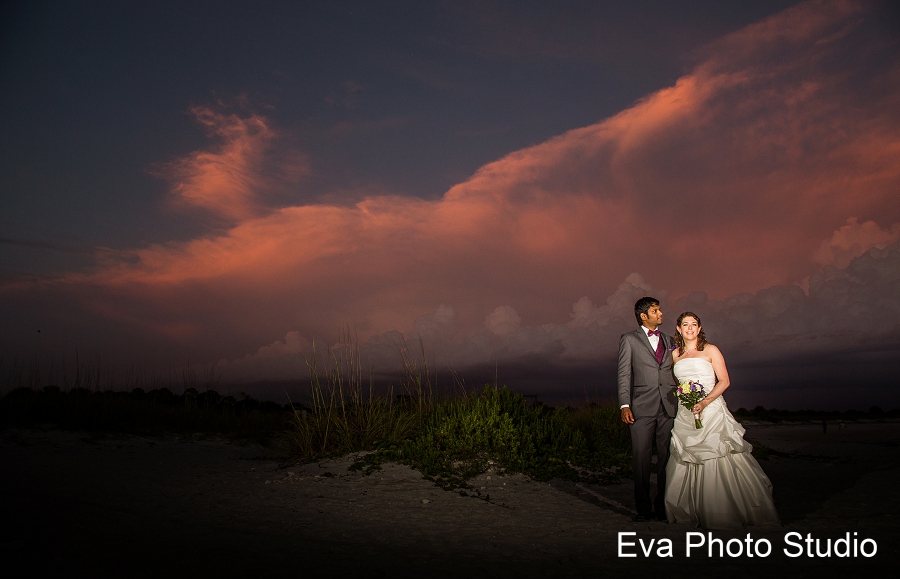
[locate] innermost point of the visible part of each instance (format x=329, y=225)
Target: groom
x=646, y=387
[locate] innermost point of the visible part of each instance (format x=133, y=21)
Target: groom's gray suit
x=647, y=386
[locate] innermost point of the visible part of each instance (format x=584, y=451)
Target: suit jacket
x=643, y=382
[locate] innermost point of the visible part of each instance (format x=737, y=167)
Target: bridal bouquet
x=690, y=393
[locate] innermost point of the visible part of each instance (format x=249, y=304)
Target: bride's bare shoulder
x=712, y=351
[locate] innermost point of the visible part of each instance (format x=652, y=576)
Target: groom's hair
x=642, y=306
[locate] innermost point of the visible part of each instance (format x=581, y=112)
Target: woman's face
x=689, y=328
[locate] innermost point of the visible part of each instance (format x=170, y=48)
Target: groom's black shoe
x=660, y=516
x=642, y=518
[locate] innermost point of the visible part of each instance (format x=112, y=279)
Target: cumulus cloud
x=503, y=321
x=280, y=360
x=779, y=338
x=854, y=239
x=591, y=335
x=812, y=349
x=439, y=326
x=851, y=309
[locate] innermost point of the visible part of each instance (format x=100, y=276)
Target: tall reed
x=346, y=415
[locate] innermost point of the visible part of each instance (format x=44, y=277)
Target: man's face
x=653, y=318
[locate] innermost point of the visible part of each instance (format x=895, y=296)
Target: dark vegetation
x=450, y=438
x=156, y=412
x=775, y=415
x=90, y=398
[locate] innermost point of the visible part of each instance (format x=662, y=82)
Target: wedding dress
x=712, y=480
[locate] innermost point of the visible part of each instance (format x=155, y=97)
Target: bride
x=711, y=479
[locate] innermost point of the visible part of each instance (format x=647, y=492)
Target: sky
x=222, y=185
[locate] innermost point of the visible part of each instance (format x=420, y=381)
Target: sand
x=134, y=506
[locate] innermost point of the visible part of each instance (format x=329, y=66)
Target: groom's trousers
x=643, y=432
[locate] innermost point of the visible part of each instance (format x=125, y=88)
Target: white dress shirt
x=654, y=340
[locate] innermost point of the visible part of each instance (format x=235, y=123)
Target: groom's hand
x=627, y=416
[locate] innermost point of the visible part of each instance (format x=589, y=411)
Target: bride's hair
x=701, y=337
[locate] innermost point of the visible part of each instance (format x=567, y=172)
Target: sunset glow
x=759, y=189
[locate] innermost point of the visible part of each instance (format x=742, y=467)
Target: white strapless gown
x=712, y=480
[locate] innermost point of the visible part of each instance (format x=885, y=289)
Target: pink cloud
x=854, y=239
x=228, y=180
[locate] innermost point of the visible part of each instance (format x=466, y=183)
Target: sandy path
x=146, y=507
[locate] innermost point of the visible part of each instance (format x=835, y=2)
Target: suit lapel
x=643, y=337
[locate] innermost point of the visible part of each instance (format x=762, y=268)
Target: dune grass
x=454, y=437
x=345, y=415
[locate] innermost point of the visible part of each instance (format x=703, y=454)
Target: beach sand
x=73, y=504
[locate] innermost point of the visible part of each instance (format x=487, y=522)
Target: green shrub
x=468, y=435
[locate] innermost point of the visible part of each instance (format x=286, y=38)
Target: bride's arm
x=718, y=364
